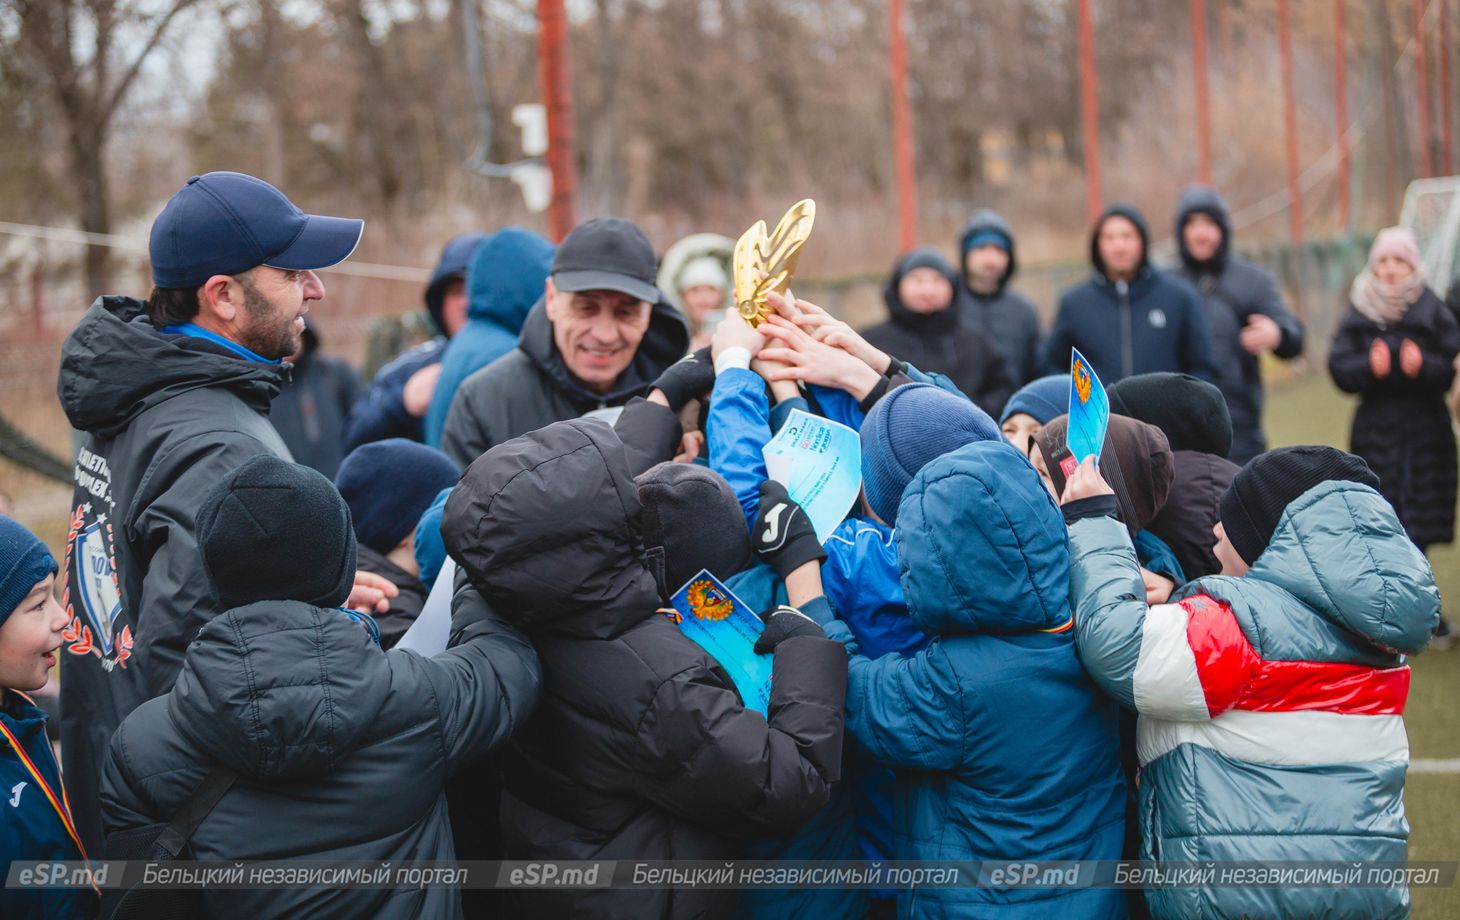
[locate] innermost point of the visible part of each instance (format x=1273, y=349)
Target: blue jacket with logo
x=31, y=828
x=1004, y=746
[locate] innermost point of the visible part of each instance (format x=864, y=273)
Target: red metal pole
x=1203, y=110
x=1446, y=138
x=1290, y=124
x=1340, y=96
x=1090, y=112
x=1422, y=87
x=557, y=97
x=902, y=143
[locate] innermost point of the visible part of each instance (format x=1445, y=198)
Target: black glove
x=689, y=377
x=783, y=535
x=784, y=623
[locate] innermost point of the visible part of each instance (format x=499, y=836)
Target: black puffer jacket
x=1402, y=428
x=1233, y=290
x=641, y=748
x=530, y=386
x=166, y=416
x=342, y=750
x=1192, y=509
x=941, y=343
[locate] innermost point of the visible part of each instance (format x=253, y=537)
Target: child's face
x=1019, y=429
x=1232, y=563
x=30, y=637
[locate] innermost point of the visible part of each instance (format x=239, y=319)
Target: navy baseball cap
x=607, y=254
x=225, y=223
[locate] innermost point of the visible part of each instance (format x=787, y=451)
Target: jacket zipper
x=1127, y=332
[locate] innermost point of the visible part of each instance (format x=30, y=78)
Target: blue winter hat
x=1044, y=399
x=24, y=563
x=911, y=426
x=986, y=237
x=429, y=546
x=225, y=223
x=388, y=485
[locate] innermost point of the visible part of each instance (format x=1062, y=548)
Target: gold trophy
x=764, y=263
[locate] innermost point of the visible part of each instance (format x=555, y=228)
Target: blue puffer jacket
x=1006, y=749
x=505, y=277
x=1271, y=705
x=381, y=412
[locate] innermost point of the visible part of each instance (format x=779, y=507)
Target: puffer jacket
x=1271, y=705
x=505, y=277
x=642, y=748
x=166, y=416
x=1005, y=316
x=342, y=751
x=1006, y=749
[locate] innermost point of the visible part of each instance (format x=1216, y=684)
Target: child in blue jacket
x=37, y=823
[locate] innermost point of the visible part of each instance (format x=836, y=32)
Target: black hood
x=1131, y=214
x=548, y=527
x=1201, y=200
x=280, y=688
x=665, y=342
x=116, y=365
x=989, y=219
x=943, y=320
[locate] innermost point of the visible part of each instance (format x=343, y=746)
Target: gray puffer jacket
x=341, y=750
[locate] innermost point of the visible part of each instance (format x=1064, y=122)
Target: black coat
x=405, y=606
x=1192, y=508
x=166, y=416
x=1402, y=428
x=530, y=386
x=641, y=748
x=342, y=750
x=1005, y=316
x=942, y=343
x=1232, y=291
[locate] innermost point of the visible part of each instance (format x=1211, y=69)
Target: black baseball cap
x=225, y=223
x=607, y=254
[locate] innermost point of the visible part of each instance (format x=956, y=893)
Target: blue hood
x=506, y=276
x=982, y=546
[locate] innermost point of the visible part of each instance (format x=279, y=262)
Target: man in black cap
x=601, y=335
x=173, y=395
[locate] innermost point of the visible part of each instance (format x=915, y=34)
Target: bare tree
x=89, y=88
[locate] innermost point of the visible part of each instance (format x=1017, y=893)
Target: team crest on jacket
x=93, y=595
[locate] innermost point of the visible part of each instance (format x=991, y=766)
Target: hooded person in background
x=338, y=750
x=503, y=281
x=925, y=330
x=1244, y=310
x=388, y=486
x=1193, y=415
x=310, y=411
x=642, y=748
x=988, y=303
x=601, y=335
x=695, y=277
x=1396, y=348
x=395, y=406
x=1129, y=318
x=173, y=394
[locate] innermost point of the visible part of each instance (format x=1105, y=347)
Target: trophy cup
x=764, y=263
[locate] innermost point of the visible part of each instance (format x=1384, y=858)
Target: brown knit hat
x=1136, y=461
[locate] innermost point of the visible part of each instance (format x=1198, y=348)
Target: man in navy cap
x=601, y=335
x=173, y=394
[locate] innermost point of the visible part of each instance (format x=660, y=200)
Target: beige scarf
x=1383, y=303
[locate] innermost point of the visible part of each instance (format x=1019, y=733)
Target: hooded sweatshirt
x=165, y=417
x=504, y=279
x=642, y=748
x=341, y=750
x=1271, y=705
x=941, y=343
x=1232, y=291
x=1006, y=749
x=1154, y=322
x=530, y=386
x=1005, y=316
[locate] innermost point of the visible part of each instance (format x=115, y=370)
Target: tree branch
x=105, y=110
